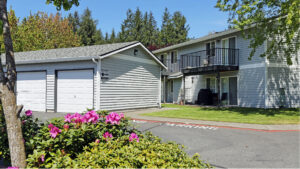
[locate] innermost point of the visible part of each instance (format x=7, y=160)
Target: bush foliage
x=97, y=140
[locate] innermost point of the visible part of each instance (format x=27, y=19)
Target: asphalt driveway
x=232, y=148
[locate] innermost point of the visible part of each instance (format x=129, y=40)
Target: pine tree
x=87, y=30
x=180, y=28
x=106, y=39
x=113, y=36
x=166, y=32
x=74, y=20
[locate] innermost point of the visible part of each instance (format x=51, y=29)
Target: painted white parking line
x=191, y=126
x=180, y=125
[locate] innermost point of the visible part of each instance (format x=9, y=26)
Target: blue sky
x=201, y=14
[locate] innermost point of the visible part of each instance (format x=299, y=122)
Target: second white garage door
x=74, y=90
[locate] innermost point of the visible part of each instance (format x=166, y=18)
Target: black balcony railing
x=212, y=57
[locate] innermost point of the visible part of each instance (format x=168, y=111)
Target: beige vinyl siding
x=133, y=82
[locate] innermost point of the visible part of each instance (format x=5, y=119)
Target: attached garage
x=31, y=90
x=75, y=90
x=101, y=77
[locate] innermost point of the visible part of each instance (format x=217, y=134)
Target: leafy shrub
x=73, y=134
x=30, y=127
x=149, y=152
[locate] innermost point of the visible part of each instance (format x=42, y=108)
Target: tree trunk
x=8, y=96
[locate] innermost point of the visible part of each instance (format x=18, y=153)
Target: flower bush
x=93, y=140
x=30, y=126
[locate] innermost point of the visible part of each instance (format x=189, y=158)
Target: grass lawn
x=233, y=114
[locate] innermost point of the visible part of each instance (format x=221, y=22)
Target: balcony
x=204, y=62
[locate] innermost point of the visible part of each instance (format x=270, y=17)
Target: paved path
x=230, y=148
x=136, y=114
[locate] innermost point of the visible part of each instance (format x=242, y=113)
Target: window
x=162, y=59
x=210, y=48
x=213, y=46
x=173, y=57
x=211, y=84
x=208, y=83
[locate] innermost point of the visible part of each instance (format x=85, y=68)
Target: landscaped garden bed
x=96, y=140
x=231, y=114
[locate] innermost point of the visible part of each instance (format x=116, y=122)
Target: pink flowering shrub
x=28, y=113
x=30, y=128
x=54, y=131
x=71, y=134
x=133, y=137
x=89, y=117
x=107, y=135
x=114, y=118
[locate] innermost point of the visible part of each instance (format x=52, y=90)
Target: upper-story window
x=174, y=57
x=162, y=58
x=210, y=48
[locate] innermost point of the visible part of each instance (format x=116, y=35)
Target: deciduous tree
x=275, y=21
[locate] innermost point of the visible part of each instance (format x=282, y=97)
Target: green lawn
x=233, y=114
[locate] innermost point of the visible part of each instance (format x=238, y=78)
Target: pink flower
x=68, y=118
x=42, y=158
x=50, y=126
x=77, y=118
x=107, y=135
x=122, y=115
x=66, y=127
x=97, y=141
x=133, y=136
x=54, y=131
x=91, y=117
x=113, y=118
x=28, y=113
x=12, y=167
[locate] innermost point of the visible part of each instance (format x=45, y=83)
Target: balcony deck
x=205, y=62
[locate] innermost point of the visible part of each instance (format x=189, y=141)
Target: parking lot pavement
x=232, y=148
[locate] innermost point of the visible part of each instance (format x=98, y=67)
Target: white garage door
x=74, y=90
x=31, y=90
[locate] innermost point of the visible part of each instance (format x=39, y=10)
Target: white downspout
x=98, y=82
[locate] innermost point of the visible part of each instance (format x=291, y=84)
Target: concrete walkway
x=136, y=115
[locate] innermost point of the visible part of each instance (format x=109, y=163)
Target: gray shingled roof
x=198, y=40
x=76, y=53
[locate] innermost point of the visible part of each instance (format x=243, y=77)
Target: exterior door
x=231, y=52
x=31, y=90
x=233, y=90
x=75, y=90
x=225, y=46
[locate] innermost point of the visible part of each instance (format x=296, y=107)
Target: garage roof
x=67, y=54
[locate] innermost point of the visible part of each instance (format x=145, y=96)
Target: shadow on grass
x=249, y=111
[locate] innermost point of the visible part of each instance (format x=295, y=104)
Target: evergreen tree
x=180, y=28
x=166, y=32
x=87, y=30
x=113, y=36
x=106, y=39
x=74, y=20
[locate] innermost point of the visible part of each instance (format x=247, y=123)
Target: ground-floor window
x=211, y=84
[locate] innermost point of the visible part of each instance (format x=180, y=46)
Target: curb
x=229, y=127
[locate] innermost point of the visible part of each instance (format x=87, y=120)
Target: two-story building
x=219, y=62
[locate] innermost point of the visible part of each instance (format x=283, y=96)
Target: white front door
x=75, y=90
x=31, y=90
